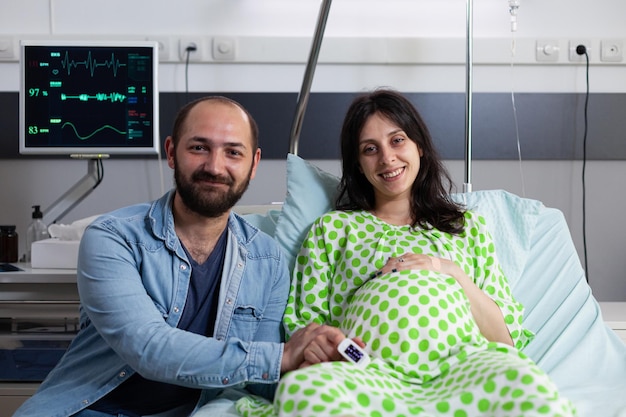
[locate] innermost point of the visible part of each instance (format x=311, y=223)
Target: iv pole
x=467, y=185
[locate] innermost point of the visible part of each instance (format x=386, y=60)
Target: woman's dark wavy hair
x=431, y=205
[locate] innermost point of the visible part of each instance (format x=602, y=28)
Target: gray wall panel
x=551, y=125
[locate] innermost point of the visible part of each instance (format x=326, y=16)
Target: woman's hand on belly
x=419, y=262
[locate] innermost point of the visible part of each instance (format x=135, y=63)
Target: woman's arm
x=486, y=312
x=308, y=302
x=308, y=306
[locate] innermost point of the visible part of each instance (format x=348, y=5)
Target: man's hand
x=313, y=344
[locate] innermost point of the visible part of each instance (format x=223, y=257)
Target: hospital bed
x=583, y=356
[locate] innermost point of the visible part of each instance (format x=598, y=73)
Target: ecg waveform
x=113, y=97
x=85, y=137
x=91, y=64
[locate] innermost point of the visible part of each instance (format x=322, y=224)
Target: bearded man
x=181, y=298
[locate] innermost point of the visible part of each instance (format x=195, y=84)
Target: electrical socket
x=164, y=46
x=612, y=50
x=194, y=56
x=573, y=55
x=224, y=48
x=547, y=50
x=6, y=48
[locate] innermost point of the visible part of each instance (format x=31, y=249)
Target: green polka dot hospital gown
x=428, y=357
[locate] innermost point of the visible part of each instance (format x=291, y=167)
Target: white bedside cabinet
x=614, y=315
x=30, y=296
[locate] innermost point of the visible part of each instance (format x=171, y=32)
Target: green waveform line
x=93, y=133
x=98, y=96
x=91, y=64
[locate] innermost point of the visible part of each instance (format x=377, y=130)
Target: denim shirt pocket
x=246, y=320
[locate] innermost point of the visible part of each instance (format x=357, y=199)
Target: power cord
x=99, y=172
x=582, y=50
x=188, y=51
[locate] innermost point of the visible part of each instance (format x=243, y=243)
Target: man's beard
x=209, y=201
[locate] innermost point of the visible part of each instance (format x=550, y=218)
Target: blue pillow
x=310, y=193
x=264, y=222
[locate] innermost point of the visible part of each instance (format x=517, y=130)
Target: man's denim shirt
x=133, y=277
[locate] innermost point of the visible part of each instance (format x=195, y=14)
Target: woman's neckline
x=406, y=222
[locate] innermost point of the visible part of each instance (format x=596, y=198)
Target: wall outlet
x=573, y=55
x=547, y=50
x=612, y=50
x=224, y=48
x=7, y=51
x=191, y=42
x=164, y=46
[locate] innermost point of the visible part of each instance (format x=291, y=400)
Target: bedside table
x=614, y=315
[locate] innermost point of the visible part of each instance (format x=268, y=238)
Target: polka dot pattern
x=428, y=355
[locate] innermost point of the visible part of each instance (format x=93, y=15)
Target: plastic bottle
x=37, y=230
x=8, y=244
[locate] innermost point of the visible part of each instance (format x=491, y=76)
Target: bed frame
x=584, y=357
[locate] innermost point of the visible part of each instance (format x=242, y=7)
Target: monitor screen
x=89, y=98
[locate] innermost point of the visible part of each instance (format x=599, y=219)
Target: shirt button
x=122, y=374
x=85, y=402
x=229, y=301
x=225, y=381
x=183, y=267
x=240, y=265
x=265, y=375
x=176, y=310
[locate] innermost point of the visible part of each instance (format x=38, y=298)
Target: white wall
x=438, y=25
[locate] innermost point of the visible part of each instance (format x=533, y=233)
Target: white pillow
x=511, y=220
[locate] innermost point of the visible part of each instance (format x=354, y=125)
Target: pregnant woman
x=413, y=278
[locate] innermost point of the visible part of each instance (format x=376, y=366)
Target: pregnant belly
x=416, y=321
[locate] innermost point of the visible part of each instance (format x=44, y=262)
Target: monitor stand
x=78, y=192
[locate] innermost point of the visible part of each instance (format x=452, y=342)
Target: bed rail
x=303, y=97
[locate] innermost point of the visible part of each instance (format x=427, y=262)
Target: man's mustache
x=205, y=176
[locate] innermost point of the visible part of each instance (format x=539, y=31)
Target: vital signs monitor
x=89, y=97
